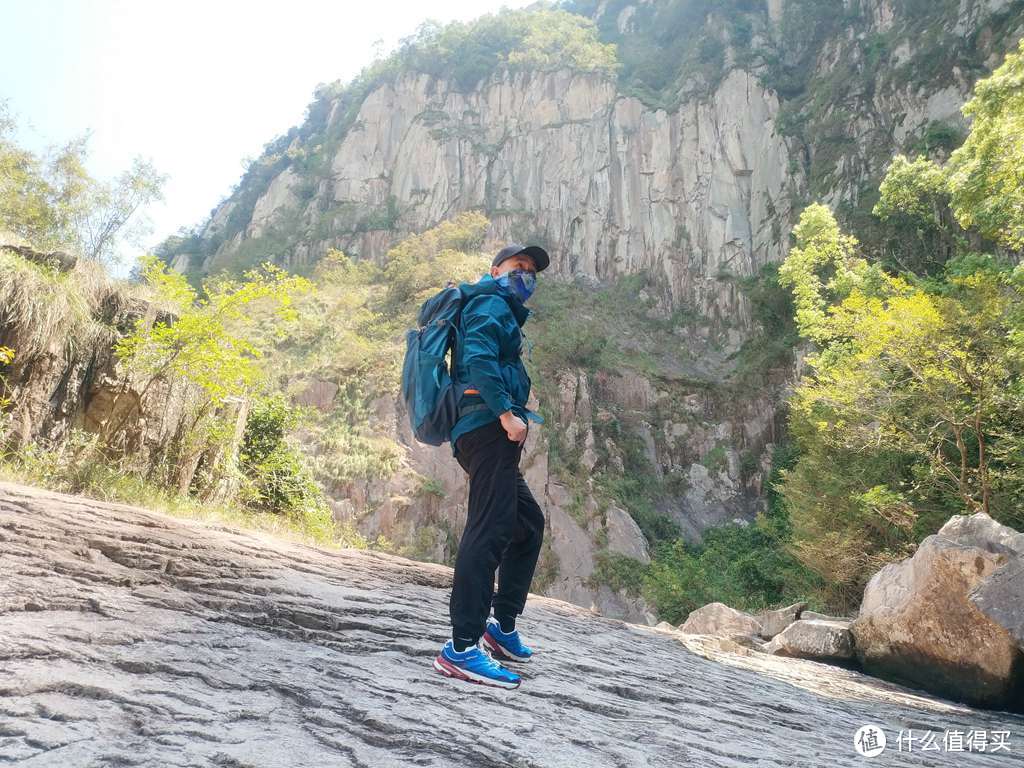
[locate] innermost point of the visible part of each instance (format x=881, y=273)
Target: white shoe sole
x=450, y=670
x=500, y=652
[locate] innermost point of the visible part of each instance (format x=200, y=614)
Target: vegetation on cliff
x=913, y=406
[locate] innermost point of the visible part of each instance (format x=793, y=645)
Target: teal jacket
x=489, y=359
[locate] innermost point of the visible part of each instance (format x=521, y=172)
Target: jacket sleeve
x=481, y=345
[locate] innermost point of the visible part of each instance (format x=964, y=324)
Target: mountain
x=658, y=149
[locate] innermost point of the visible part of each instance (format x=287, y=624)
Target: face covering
x=519, y=281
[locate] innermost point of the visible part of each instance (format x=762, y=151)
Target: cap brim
x=539, y=256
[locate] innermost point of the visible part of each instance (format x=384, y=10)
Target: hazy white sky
x=193, y=86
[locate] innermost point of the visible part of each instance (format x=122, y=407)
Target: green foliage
x=431, y=486
x=746, y=567
x=914, y=393
x=771, y=345
x=984, y=175
x=41, y=303
x=6, y=358
x=214, y=341
x=938, y=137
x=80, y=465
x=749, y=567
x=915, y=188
x=277, y=475
x=351, y=332
x=675, y=44
x=418, y=266
x=914, y=390
x=545, y=39
x=54, y=203
x=618, y=572
x=715, y=459
x=607, y=327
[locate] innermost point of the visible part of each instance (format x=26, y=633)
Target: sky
x=194, y=87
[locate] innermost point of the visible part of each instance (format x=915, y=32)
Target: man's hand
x=514, y=426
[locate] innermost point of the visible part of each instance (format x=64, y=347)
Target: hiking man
x=505, y=525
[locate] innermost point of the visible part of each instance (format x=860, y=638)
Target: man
x=505, y=525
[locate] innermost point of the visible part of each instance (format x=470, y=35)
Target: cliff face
x=611, y=185
x=694, y=194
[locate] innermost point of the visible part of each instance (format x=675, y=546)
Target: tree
x=54, y=203
x=912, y=405
x=215, y=343
x=112, y=211
x=982, y=183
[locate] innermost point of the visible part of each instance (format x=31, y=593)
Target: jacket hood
x=488, y=285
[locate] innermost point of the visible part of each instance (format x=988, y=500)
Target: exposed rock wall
x=70, y=379
x=612, y=186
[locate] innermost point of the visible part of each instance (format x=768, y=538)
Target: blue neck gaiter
x=520, y=282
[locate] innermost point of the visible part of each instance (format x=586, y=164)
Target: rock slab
x=720, y=620
x=129, y=638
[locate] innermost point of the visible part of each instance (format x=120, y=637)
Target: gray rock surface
x=1000, y=596
x=823, y=616
x=814, y=639
x=774, y=622
x=131, y=638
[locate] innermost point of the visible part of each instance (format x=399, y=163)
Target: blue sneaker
x=474, y=665
x=505, y=646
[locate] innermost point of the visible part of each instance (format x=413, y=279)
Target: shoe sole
x=448, y=669
x=492, y=645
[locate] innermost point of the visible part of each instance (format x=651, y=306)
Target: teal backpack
x=429, y=390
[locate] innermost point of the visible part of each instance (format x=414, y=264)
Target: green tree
x=986, y=182
x=982, y=183
x=912, y=403
x=277, y=477
x=54, y=203
x=214, y=343
x=6, y=358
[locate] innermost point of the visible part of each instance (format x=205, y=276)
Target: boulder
x=720, y=620
x=918, y=622
x=814, y=639
x=1001, y=595
x=1001, y=598
x=625, y=536
x=773, y=622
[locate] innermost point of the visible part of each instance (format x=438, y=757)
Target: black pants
x=504, y=531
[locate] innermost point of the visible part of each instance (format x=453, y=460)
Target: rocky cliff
x=132, y=638
x=697, y=187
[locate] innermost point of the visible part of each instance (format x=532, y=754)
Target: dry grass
x=38, y=304
x=105, y=482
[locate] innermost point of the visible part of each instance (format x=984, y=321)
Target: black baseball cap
x=535, y=252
